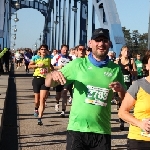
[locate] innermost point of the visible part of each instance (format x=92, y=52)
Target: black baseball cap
x=100, y=32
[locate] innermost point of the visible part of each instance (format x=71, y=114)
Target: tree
x=136, y=42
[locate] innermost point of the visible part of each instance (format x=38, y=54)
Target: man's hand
x=58, y=77
x=116, y=86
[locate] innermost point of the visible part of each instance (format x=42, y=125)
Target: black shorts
x=38, y=84
x=128, y=84
x=139, y=77
x=138, y=145
x=88, y=141
x=17, y=61
x=59, y=88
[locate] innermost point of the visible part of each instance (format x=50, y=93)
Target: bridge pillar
x=83, y=22
x=109, y=19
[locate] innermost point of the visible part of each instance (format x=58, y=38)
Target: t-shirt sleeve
x=70, y=71
x=33, y=58
x=53, y=62
x=133, y=89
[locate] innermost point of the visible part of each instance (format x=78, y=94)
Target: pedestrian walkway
x=3, y=91
x=27, y=135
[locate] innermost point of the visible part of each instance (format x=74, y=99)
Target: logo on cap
x=101, y=31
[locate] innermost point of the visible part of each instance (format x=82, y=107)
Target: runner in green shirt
x=94, y=78
x=139, y=66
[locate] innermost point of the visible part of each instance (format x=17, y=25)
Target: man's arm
x=66, y=75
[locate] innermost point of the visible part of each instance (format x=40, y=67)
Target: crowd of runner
x=95, y=79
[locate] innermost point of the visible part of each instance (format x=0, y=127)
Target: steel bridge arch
x=39, y=5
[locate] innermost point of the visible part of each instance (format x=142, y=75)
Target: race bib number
x=97, y=96
x=43, y=71
x=139, y=65
x=126, y=78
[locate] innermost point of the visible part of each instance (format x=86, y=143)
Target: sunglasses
x=43, y=49
x=81, y=49
x=101, y=40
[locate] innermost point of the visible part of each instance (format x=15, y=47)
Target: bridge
x=66, y=21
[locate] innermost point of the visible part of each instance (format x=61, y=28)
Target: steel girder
x=63, y=26
x=74, y=29
x=10, y=8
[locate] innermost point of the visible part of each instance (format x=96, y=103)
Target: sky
x=133, y=14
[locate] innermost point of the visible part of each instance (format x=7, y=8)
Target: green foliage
x=137, y=43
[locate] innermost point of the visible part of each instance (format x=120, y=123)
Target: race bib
x=127, y=78
x=144, y=133
x=97, y=96
x=43, y=71
x=139, y=65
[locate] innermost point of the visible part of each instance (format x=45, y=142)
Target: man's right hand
x=58, y=77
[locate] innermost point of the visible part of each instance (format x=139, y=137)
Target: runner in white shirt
x=17, y=57
x=72, y=53
x=61, y=90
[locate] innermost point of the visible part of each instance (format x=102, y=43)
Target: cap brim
x=99, y=35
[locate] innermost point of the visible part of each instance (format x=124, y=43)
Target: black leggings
x=27, y=69
x=138, y=145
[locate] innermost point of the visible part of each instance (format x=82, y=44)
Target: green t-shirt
x=139, y=66
x=91, y=106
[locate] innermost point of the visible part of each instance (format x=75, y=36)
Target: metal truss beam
x=109, y=19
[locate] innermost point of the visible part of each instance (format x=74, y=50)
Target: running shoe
x=62, y=114
x=57, y=107
x=40, y=122
x=36, y=113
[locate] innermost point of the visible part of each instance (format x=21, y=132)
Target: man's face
x=64, y=50
x=100, y=47
x=81, y=51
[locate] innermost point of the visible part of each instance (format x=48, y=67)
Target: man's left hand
x=116, y=86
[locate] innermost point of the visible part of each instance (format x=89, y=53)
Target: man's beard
x=101, y=55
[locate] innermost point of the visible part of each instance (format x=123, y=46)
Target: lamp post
x=14, y=36
x=15, y=30
x=17, y=5
x=16, y=19
x=35, y=45
x=40, y=38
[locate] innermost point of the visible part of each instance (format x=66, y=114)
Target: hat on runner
x=100, y=32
